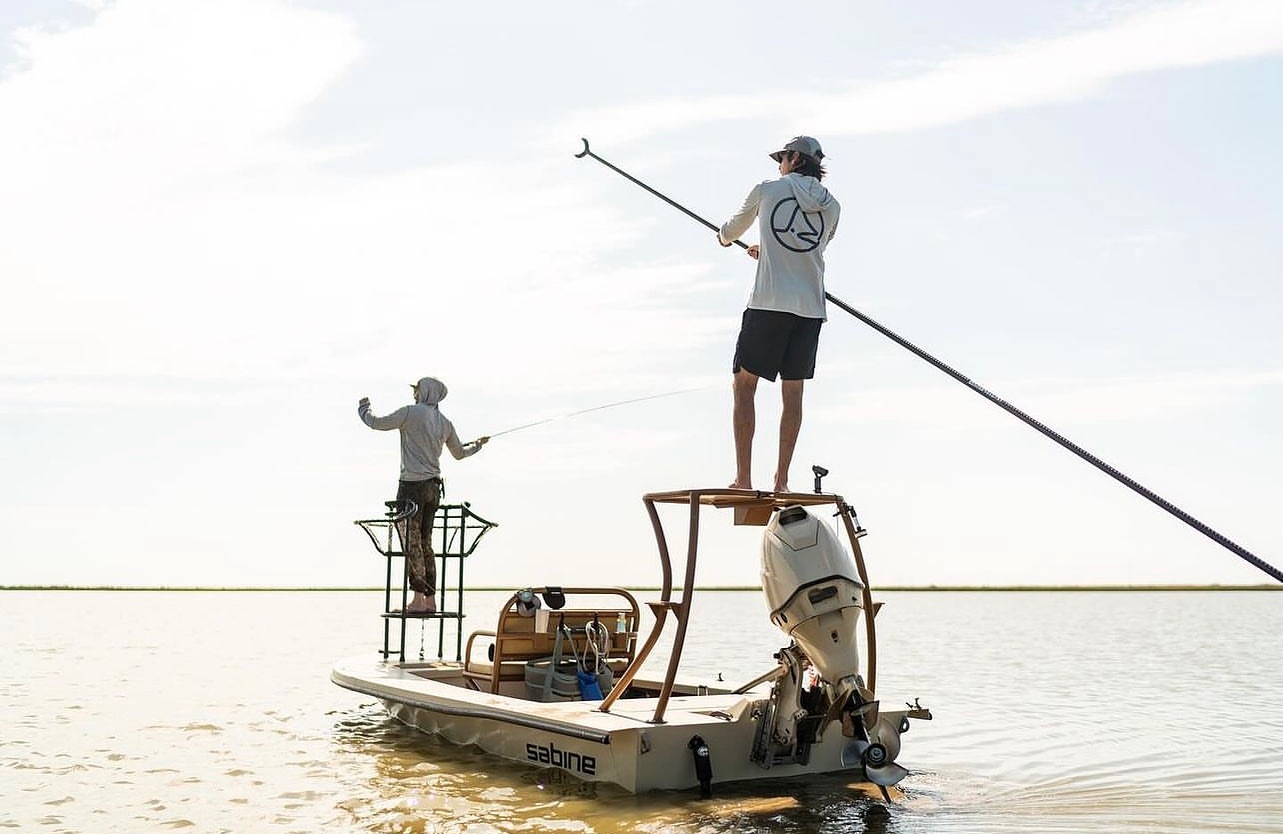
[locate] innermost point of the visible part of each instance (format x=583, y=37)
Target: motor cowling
x=813, y=591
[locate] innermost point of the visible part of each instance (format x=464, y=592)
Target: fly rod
x=594, y=408
x=1123, y=479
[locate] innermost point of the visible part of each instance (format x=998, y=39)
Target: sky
x=224, y=223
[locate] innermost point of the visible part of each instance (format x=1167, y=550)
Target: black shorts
x=773, y=343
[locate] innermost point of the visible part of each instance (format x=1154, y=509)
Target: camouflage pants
x=416, y=532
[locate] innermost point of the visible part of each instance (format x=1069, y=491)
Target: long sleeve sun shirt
x=424, y=431
x=797, y=217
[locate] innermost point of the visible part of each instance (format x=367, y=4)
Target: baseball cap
x=805, y=145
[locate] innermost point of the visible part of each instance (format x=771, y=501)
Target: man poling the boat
x=780, y=330
x=1238, y=550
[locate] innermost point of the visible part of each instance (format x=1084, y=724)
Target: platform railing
x=750, y=506
x=459, y=530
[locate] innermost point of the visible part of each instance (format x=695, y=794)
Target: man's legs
x=744, y=418
x=771, y=341
x=431, y=502
x=790, y=426
x=420, y=562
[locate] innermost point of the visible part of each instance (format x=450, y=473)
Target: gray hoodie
x=797, y=217
x=424, y=430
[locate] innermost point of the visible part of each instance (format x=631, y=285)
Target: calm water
x=1117, y=712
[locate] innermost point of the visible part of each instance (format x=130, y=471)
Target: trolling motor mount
x=819, y=472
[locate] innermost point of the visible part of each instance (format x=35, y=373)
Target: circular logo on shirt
x=796, y=230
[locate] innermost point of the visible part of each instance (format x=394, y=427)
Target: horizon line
x=912, y=588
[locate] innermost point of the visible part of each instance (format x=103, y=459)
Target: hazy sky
x=224, y=222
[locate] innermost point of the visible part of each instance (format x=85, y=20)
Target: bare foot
x=423, y=606
x=781, y=487
x=737, y=484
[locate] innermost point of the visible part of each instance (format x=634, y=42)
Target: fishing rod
x=1046, y=431
x=595, y=408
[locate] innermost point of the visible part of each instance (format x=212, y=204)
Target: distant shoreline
x=912, y=588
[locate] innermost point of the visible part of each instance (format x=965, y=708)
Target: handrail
x=660, y=611
x=390, y=520
x=681, y=610
x=465, y=512
x=409, y=508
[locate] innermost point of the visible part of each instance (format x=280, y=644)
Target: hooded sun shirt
x=797, y=217
x=424, y=430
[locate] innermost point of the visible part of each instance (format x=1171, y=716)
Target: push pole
x=588, y=152
x=1046, y=431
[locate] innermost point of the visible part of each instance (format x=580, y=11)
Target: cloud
x=152, y=93
x=1053, y=70
x=127, y=207
x=1037, y=72
x=163, y=222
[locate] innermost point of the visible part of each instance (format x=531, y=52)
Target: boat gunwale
x=477, y=712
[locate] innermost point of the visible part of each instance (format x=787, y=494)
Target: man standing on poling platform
x=780, y=330
x=424, y=431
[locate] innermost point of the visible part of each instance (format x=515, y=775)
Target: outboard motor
x=815, y=596
x=813, y=591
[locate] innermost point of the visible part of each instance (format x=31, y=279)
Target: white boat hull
x=620, y=747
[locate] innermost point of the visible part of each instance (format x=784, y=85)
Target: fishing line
x=1123, y=479
x=598, y=408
